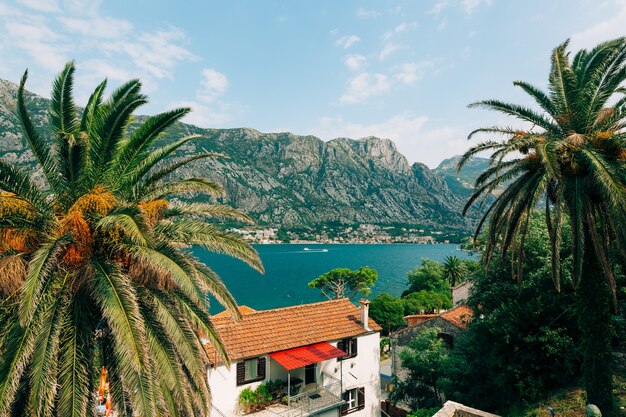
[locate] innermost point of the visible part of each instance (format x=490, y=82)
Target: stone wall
x=460, y=293
x=452, y=409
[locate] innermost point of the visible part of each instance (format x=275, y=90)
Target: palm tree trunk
x=594, y=321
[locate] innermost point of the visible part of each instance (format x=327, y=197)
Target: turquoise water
x=289, y=268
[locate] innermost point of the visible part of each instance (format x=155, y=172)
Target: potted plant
x=247, y=399
x=263, y=396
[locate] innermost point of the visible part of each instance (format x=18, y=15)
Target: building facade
x=451, y=324
x=318, y=359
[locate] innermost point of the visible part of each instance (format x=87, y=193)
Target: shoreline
x=360, y=243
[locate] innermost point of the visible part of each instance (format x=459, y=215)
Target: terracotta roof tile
x=242, y=309
x=460, y=316
x=267, y=331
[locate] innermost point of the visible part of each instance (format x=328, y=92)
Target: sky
x=403, y=70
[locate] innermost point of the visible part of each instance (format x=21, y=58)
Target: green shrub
x=275, y=387
x=424, y=412
x=263, y=394
x=247, y=398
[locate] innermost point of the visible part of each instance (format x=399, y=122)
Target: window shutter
x=341, y=345
x=241, y=373
x=354, y=346
x=261, y=370
x=344, y=407
x=361, y=398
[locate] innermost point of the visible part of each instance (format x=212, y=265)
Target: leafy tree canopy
x=424, y=359
x=344, y=282
x=388, y=311
x=96, y=268
x=524, y=341
x=569, y=156
x=427, y=277
x=425, y=302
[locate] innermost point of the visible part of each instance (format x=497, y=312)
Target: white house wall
x=364, y=371
x=361, y=371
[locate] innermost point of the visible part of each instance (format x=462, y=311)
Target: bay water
x=289, y=267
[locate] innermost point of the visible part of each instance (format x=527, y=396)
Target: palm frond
x=36, y=143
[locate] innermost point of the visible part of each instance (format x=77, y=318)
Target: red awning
x=306, y=355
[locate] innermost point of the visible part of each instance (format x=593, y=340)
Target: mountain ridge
x=288, y=180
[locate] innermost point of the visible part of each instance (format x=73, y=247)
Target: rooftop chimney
x=365, y=312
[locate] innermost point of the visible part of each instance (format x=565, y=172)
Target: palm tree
x=96, y=267
x=571, y=158
x=454, y=270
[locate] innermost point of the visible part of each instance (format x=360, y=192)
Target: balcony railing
x=324, y=397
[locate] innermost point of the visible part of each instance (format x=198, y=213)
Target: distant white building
x=326, y=355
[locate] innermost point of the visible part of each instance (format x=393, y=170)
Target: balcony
x=323, y=397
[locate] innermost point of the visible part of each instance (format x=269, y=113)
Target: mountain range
x=287, y=180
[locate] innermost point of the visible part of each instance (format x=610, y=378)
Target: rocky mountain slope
x=287, y=180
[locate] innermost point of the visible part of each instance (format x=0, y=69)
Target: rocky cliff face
x=289, y=180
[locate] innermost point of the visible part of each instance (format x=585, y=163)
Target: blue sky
x=404, y=70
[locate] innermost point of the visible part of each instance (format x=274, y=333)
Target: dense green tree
x=454, y=270
x=571, y=155
x=427, y=277
x=96, y=267
x=344, y=282
x=523, y=341
x=425, y=302
x=423, y=360
x=388, y=311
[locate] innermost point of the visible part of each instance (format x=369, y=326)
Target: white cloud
x=355, y=62
x=37, y=40
x=214, y=84
x=347, y=41
x=409, y=132
x=99, y=27
x=401, y=28
x=49, y=33
x=210, y=116
x=51, y=6
x=610, y=28
x=469, y=5
x=155, y=52
x=388, y=49
x=439, y=6
x=411, y=72
x=364, y=86
x=366, y=14
x=209, y=110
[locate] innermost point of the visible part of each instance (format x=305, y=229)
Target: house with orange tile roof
x=322, y=358
x=451, y=324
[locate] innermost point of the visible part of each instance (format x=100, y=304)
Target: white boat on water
x=315, y=250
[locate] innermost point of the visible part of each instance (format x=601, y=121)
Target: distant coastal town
x=363, y=233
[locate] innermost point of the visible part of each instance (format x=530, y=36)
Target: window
x=349, y=346
x=250, y=370
x=309, y=374
x=355, y=400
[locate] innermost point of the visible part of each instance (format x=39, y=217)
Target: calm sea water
x=289, y=268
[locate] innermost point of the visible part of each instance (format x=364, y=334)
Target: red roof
x=306, y=355
x=267, y=331
x=460, y=316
